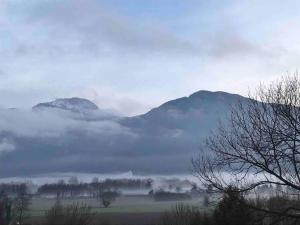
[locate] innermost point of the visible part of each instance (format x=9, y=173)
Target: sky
x=129, y=56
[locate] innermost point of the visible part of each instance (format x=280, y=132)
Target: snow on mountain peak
x=71, y=104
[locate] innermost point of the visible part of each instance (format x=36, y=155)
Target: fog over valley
x=74, y=135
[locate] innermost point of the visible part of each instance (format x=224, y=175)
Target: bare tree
x=258, y=145
x=21, y=205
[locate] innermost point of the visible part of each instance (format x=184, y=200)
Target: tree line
x=74, y=189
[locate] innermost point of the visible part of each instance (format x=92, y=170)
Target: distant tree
x=170, y=196
x=151, y=192
x=106, y=197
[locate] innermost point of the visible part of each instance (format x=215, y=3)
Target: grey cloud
x=6, y=146
x=92, y=27
x=77, y=26
x=25, y=123
x=120, y=105
x=228, y=44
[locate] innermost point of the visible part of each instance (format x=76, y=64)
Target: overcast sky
x=131, y=55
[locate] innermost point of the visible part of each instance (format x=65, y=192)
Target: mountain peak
x=72, y=104
x=202, y=99
x=205, y=93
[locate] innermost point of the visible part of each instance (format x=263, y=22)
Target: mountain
x=71, y=104
x=197, y=113
x=162, y=140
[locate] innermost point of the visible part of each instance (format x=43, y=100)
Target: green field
x=124, y=204
x=126, y=210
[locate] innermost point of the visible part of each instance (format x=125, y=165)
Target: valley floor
x=125, y=210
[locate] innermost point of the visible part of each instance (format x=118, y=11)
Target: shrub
x=186, y=215
x=107, y=197
x=280, y=204
x=75, y=214
x=232, y=209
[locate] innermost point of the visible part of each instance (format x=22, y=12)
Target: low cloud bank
x=59, y=141
x=161, y=141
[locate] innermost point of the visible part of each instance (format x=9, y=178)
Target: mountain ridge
x=92, y=106
x=203, y=94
